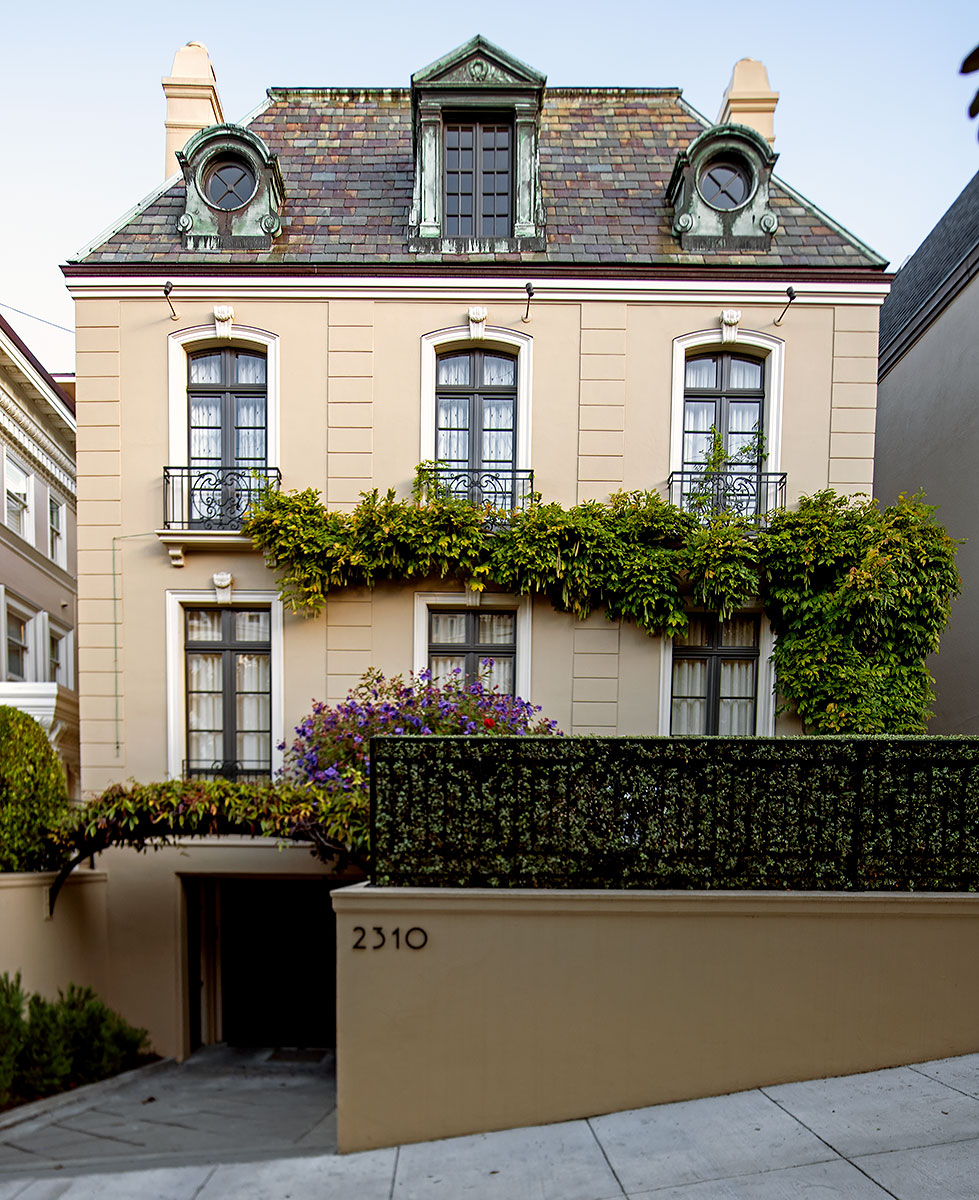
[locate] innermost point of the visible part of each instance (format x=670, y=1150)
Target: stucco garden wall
x=53, y=951
x=490, y=1009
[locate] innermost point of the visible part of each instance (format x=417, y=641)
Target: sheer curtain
x=253, y=711
x=689, y=714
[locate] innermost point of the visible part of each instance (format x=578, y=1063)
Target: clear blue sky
x=871, y=123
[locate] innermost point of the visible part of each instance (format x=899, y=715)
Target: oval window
x=229, y=183
x=724, y=184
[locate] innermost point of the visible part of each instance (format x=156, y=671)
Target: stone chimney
x=749, y=99
x=192, y=96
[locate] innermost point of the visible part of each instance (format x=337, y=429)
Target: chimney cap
x=192, y=62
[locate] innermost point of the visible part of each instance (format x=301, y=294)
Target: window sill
x=475, y=246
x=181, y=541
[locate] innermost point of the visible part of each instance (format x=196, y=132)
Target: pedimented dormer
x=476, y=122
x=234, y=191
x=719, y=191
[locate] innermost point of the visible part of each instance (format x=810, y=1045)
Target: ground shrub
x=33, y=797
x=49, y=1046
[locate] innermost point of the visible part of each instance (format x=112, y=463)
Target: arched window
x=476, y=425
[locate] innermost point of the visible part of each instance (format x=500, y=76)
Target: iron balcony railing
x=214, y=498
x=503, y=488
x=237, y=772
x=746, y=493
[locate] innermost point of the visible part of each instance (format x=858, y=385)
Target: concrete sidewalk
x=910, y=1133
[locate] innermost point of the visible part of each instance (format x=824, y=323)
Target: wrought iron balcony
x=746, y=493
x=213, y=498
x=237, y=772
x=500, y=488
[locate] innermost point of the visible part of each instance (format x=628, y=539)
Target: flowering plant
x=330, y=753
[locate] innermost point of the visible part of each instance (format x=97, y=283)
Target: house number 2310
x=375, y=938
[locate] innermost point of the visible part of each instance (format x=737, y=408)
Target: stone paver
x=910, y=1133
x=221, y=1106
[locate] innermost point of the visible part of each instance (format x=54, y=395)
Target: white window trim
x=774, y=358
x=495, y=338
x=181, y=344
x=176, y=602
x=35, y=636
x=67, y=638
x=764, y=701
x=61, y=558
x=522, y=605
x=28, y=531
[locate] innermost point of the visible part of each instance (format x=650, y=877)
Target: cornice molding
x=45, y=455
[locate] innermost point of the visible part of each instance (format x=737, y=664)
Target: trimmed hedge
x=865, y=813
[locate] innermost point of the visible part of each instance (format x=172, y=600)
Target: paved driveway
x=221, y=1105
x=909, y=1133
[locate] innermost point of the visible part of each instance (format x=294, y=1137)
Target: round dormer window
x=229, y=183
x=725, y=184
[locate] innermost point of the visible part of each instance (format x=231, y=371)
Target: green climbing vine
x=858, y=595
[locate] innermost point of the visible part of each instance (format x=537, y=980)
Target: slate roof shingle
x=606, y=155
x=931, y=265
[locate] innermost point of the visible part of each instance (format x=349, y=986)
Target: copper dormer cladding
x=234, y=191
x=719, y=191
x=475, y=106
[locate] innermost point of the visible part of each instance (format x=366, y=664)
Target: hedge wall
x=867, y=813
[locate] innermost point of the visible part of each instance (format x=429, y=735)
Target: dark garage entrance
x=261, y=961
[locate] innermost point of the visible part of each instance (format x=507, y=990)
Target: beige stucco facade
x=492, y=1009
x=348, y=412
x=351, y=407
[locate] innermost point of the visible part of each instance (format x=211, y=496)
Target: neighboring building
x=928, y=424
x=348, y=277
x=37, y=548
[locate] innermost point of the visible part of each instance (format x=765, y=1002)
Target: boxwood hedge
x=866, y=813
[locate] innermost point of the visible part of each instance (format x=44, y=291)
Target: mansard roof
x=606, y=156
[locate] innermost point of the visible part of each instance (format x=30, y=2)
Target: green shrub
x=43, y=1065
x=13, y=1031
x=99, y=1042
x=74, y=1040
x=33, y=796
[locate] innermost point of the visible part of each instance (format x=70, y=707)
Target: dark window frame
x=228, y=647
x=715, y=654
x=722, y=396
x=227, y=390
x=472, y=649
x=476, y=391
x=479, y=123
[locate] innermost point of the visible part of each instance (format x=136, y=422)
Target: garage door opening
x=261, y=962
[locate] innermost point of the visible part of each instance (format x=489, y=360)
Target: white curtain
x=745, y=374
x=205, y=708
x=698, y=418
x=443, y=666
x=499, y=675
x=689, y=714
x=737, y=702
x=250, y=368
x=252, y=626
x=253, y=715
x=448, y=629
x=739, y=631
x=205, y=430
x=250, y=431
x=453, y=431
x=203, y=625
x=205, y=368
x=498, y=372
x=454, y=370
x=497, y=432
x=701, y=373
x=496, y=629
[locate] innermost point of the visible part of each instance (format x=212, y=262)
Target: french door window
x=460, y=642
x=476, y=425
x=715, y=676
x=229, y=701
x=228, y=422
